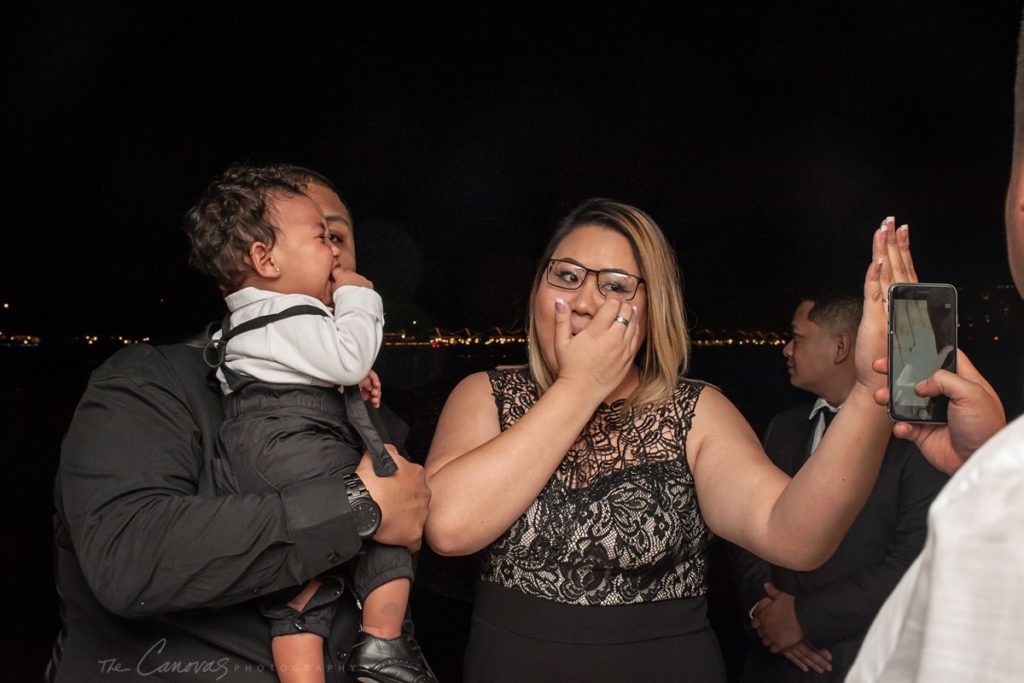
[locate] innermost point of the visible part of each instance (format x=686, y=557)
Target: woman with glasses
x=592, y=478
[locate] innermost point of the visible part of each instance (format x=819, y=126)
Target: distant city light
x=19, y=340
x=991, y=322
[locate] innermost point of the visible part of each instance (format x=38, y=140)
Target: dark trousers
x=275, y=435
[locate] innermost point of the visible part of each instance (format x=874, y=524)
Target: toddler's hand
x=341, y=277
x=369, y=389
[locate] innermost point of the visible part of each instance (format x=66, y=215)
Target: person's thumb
x=945, y=383
x=907, y=431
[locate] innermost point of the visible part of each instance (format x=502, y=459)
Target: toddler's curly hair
x=234, y=212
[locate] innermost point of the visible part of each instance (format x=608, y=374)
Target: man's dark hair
x=303, y=177
x=232, y=214
x=836, y=313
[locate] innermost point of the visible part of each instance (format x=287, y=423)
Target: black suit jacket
x=836, y=603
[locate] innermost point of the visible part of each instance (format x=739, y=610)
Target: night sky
x=767, y=143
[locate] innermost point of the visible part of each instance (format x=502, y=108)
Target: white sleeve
x=337, y=350
x=958, y=613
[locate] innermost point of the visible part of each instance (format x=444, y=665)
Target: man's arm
x=147, y=542
x=845, y=608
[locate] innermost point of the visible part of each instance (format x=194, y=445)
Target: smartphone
x=922, y=339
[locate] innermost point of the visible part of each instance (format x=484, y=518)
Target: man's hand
x=404, y=500
x=775, y=620
x=806, y=657
x=975, y=414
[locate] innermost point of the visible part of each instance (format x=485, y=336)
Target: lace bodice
x=618, y=522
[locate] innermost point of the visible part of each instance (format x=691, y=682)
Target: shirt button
x=334, y=558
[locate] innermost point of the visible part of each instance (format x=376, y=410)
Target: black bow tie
x=828, y=414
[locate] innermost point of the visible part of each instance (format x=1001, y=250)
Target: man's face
x=809, y=354
x=339, y=223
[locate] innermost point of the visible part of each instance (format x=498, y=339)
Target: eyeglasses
x=568, y=275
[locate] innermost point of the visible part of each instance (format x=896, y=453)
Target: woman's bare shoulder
x=468, y=419
x=717, y=419
x=473, y=387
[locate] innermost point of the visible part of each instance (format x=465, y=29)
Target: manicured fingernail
x=904, y=227
x=560, y=305
x=634, y=310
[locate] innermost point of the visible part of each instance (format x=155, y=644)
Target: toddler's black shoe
x=394, y=660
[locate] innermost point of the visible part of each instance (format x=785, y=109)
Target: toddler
x=299, y=327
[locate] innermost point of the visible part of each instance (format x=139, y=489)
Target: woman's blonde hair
x=666, y=350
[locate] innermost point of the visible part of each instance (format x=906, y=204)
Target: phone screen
x=922, y=339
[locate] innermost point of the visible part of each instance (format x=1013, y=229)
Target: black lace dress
x=604, y=577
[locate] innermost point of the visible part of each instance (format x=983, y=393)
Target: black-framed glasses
x=569, y=275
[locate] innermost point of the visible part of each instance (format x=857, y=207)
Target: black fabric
x=276, y=435
x=158, y=577
x=517, y=637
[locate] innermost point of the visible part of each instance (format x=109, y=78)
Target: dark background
x=768, y=143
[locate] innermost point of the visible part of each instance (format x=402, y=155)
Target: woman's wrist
x=581, y=389
x=862, y=399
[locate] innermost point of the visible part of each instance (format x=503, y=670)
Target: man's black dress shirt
x=158, y=576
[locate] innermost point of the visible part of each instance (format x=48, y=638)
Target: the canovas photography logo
x=155, y=661
x=159, y=660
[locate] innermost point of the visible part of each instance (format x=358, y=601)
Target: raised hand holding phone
x=975, y=412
